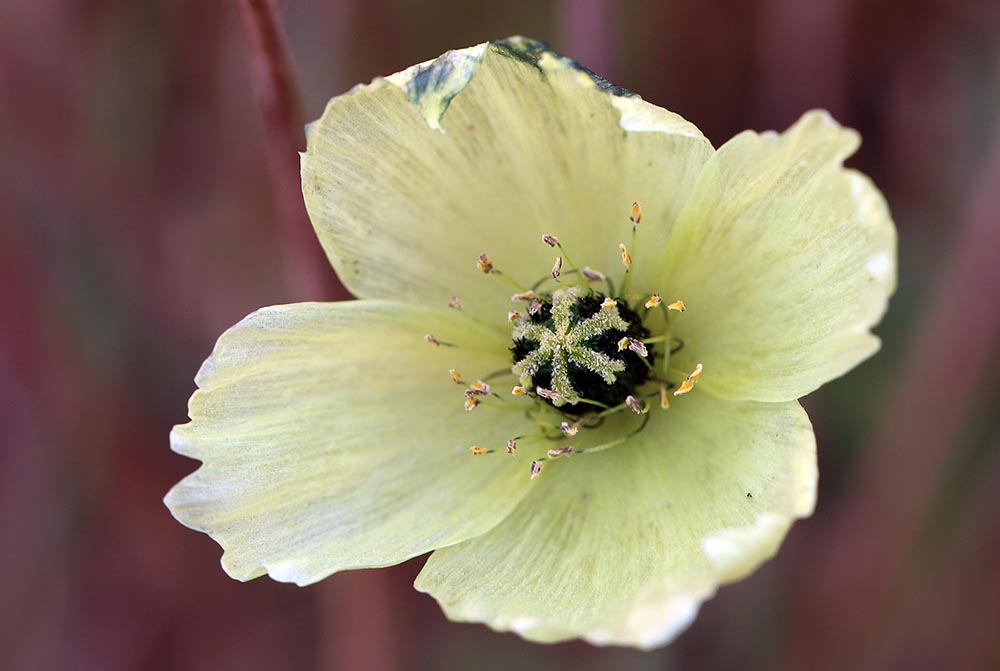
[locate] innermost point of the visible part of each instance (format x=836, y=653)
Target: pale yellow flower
x=719, y=286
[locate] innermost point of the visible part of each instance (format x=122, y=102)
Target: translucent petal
x=408, y=179
x=333, y=438
x=785, y=260
x=621, y=546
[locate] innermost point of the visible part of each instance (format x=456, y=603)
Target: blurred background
x=149, y=200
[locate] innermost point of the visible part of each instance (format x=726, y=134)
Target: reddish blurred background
x=148, y=200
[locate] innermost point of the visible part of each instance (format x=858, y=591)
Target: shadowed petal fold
x=621, y=547
x=333, y=438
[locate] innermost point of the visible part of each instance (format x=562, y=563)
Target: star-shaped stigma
x=563, y=340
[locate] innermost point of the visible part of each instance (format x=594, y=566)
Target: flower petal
x=785, y=260
x=621, y=547
x=333, y=438
x=408, y=179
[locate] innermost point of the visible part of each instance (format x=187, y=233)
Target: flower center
x=581, y=346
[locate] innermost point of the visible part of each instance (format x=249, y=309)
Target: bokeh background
x=148, y=200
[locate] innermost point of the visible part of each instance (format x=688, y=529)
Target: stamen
x=525, y=296
x=636, y=215
x=476, y=450
x=638, y=347
x=456, y=378
x=485, y=263
x=626, y=257
x=664, y=398
x=455, y=303
x=609, y=303
x=653, y=301
x=557, y=268
x=547, y=393
x=689, y=382
x=513, y=316
x=519, y=391
x=592, y=275
x=678, y=306
x=479, y=388
x=536, y=468
x=634, y=405
x=569, y=429
x=429, y=337
x=560, y=452
x=534, y=307
x=470, y=403
x=511, y=447
x=623, y=343
x=550, y=240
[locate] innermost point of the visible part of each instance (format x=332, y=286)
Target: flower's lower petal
x=408, y=179
x=622, y=546
x=785, y=260
x=333, y=437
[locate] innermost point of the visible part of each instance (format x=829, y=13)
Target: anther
x=513, y=316
x=485, y=263
x=623, y=344
x=638, y=347
x=592, y=275
x=476, y=450
x=536, y=468
x=534, y=307
x=550, y=240
x=608, y=303
x=471, y=402
x=626, y=257
x=653, y=301
x=678, y=306
x=525, y=296
x=560, y=452
x=689, y=382
x=569, y=429
x=518, y=391
x=455, y=377
x=634, y=405
x=557, y=268
x=511, y=447
x=429, y=337
x=455, y=303
x=478, y=388
x=636, y=215
x=664, y=398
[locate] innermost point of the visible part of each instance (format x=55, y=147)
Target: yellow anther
x=455, y=303
x=636, y=215
x=608, y=303
x=536, y=468
x=476, y=450
x=525, y=296
x=455, y=377
x=677, y=305
x=560, y=452
x=634, y=405
x=485, y=263
x=592, y=275
x=557, y=268
x=664, y=398
x=626, y=257
x=569, y=429
x=478, y=388
x=511, y=447
x=550, y=240
x=513, y=316
x=689, y=382
x=653, y=301
x=518, y=391
x=470, y=403
x=623, y=344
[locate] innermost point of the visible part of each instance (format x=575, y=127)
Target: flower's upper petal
x=785, y=260
x=621, y=547
x=407, y=180
x=333, y=438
